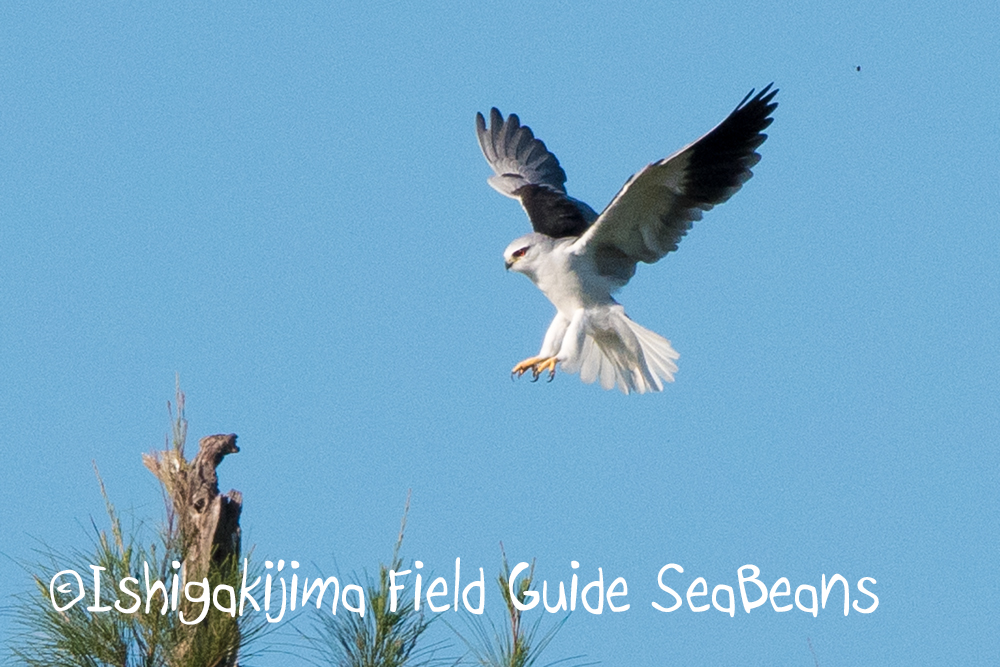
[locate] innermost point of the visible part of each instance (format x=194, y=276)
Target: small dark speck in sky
x=858, y=68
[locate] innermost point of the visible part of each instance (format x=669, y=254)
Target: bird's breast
x=571, y=282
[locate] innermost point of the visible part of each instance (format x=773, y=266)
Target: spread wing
x=526, y=170
x=657, y=206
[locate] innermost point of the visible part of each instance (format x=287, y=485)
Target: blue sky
x=288, y=208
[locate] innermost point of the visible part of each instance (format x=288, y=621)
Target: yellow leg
x=545, y=365
x=525, y=366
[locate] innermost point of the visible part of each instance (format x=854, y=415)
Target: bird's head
x=522, y=254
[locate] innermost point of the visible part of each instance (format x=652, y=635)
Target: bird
x=579, y=258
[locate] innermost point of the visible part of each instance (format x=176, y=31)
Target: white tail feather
x=617, y=351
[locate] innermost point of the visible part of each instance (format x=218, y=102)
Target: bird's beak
x=508, y=263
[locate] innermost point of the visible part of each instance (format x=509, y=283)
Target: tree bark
x=213, y=519
x=208, y=525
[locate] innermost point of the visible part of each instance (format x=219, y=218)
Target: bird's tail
x=617, y=351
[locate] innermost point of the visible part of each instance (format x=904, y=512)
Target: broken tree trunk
x=213, y=520
x=208, y=524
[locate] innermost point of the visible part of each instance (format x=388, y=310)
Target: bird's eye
x=520, y=252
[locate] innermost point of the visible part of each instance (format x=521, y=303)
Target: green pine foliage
x=382, y=638
x=515, y=643
x=77, y=637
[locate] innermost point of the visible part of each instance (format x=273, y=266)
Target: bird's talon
x=547, y=365
x=537, y=366
x=524, y=366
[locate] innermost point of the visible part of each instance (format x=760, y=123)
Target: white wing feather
x=657, y=206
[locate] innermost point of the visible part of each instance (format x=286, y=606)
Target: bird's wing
x=657, y=206
x=526, y=170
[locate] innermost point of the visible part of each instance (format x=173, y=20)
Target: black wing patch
x=719, y=160
x=527, y=171
x=551, y=213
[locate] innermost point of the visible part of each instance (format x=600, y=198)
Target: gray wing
x=657, y=206
x=526, y=170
